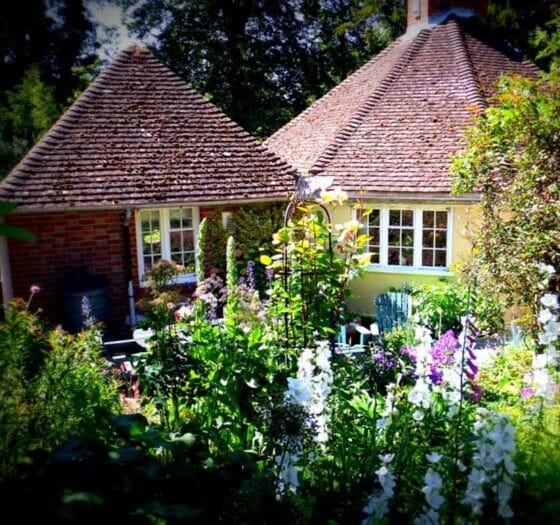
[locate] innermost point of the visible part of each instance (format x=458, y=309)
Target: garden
x=247, y=410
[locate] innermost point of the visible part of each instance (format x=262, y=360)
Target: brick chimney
x=426, y=12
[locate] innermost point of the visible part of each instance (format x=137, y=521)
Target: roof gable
x=140, y=136
x=408, y=108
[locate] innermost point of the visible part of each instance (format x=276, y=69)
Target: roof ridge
x=56, y=133
x=371, y=101
x=466, y=67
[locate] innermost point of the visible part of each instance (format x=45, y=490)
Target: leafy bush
x=53, y=385
x=510, y=381
x=253, y=229
x=441, y=306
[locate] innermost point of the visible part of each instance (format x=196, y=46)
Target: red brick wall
x=92, y=240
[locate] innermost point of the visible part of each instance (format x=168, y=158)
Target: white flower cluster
x=432, y=492
x=378, y=503
x=493, y=466
x=548, y=316
x=421, y=394
x=315, y=377
x=310, y=390
x=548, y=319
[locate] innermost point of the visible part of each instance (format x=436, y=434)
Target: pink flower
x=526, y=392
x=34, y=289
x=477, y=392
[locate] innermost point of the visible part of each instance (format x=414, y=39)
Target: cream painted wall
x=373, y=282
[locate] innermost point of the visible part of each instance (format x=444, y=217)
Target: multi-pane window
x=434, y=238
x=400, y=238
x=374, y=232
x=166, y=234
x=416, y=238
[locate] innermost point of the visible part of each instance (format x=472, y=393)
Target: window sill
x=187, y=278
x=409, y=270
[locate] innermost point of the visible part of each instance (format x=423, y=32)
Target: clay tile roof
x=140, y=136
x=391, y=127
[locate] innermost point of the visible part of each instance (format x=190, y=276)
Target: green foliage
x=538, y=462
x=31, y=108
x=314, y=262
x=511, y=157
x=503, y=378
x=253, y=230
x=214, y=245
x=399, y=337
x=440, y=306
x=516, y=22
x=224, y=402
x=53, y=385
x=507, y=383
x=49, y=46
x=161, y=296
x=12, y=232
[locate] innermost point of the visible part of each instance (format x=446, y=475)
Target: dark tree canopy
x=54, y=35
x=45, y=46
x=517, y=21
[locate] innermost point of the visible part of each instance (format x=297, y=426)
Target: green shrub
x=440, y=307
x=52, y=385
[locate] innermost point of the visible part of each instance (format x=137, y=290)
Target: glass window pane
x=394, y=217
x=374, y=259
x=175, y=218
x=441, y=219
x=180, y=218
x=427, y=239
x=408, y=238
x=149, y=220
x=175, y=241
x=374, y=238
x=187, y=217
x=394, y=237
x=441, y=239
x=188, y=241
x=428, y=219
x=374, y=219
x=393, y=256
x=407, y=218
x=427, y=258
x=440, y=256
x=407, y=257
x=177, y=258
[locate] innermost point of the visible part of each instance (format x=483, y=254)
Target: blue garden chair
x=392, y=309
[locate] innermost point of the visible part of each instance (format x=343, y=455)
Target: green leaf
x=13, y=232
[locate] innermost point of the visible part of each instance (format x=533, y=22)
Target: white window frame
x=189, y=277
x=416, y=268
